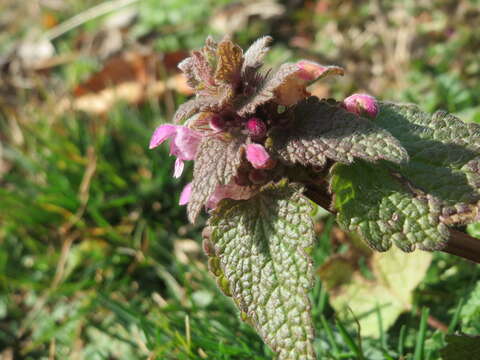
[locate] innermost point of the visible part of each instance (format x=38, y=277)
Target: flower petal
x=229, y=191
x=185, y=144
x=162, y=133
x=294, y=88
x=311, y=71
x=259, y=157
x=179, y=165
x=185, y=195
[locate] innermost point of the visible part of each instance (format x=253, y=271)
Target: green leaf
x=260, y=257
x=386, y=296
x=216, y=164
x=372, y=201
x=412, y=203
x=470, y=313
x=444, y=151
x=320, y=130
x=461, y=347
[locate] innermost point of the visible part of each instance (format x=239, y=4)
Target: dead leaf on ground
x=387, y=293
x=131, y=77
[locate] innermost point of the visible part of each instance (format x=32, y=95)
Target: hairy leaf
x=202, y=69
x=444, y=151
x=230, y=59
x=384, y=208
x=266, y=89
x=368, y=299
x=256, y=52
x=213, y=100
x=412, y=203
x=216, y=163
x=186, y=110
x=319, y=131
x=259, y=246
x=461, y=347
x=186, y=66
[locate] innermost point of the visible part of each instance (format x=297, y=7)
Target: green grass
x=97, y=260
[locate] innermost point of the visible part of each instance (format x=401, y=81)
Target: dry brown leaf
x=132, y=78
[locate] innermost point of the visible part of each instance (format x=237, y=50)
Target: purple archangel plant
x=262, y=146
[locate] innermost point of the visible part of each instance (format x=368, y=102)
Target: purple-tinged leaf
x=265, y=91
x=253, y=57
x=320, y=131
x=216, y=164
x=230, y=59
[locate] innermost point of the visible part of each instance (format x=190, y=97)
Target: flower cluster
x=234, y=99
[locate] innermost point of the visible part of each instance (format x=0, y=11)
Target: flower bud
x=361, y=104
x=256, y=128
x=217, y=123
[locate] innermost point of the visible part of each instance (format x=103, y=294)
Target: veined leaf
x=444, y=151
x=319, y=131
x=216, y=163
x=259, y=246
x=412, y=203
x=230, y=60
x=370, y=200
x=266, y=89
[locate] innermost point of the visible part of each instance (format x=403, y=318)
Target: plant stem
x=459, y=243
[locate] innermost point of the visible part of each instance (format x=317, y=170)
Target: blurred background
x=97, y=260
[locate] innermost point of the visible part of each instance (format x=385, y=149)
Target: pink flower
x=311, y=71
x=186, y=194
x=184, y=143
x=256, y=128
x=294, y=88
x=361, y=104
x=259, y=157
x=229, y=191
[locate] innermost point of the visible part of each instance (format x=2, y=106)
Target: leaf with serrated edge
x=256, y=52
x=187, y=67
x=266, y=90
x=261, y=245
x=384, y=209
x=444, y=151
x=216, y=163
x=213, y=102
x=319, y=131
x=412, y=203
